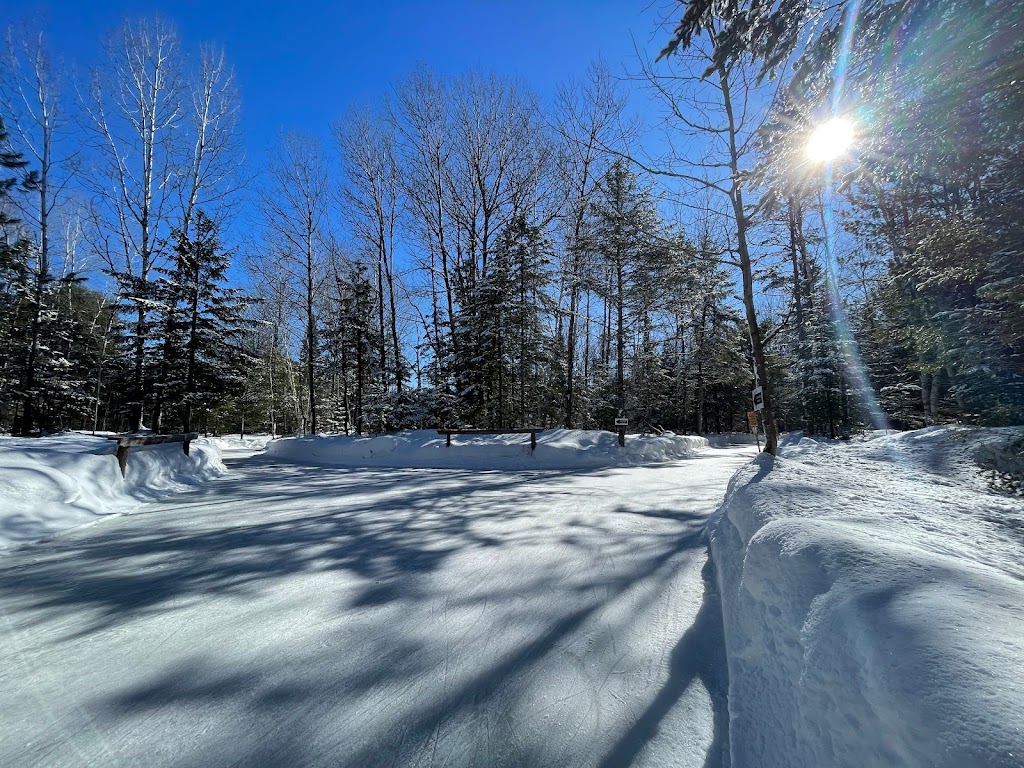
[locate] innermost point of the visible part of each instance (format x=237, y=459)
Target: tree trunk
x=771, y=433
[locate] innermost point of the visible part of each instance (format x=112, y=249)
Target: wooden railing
x=124, y=442
x=531, y=431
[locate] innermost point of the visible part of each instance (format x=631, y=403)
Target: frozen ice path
x=306, y=616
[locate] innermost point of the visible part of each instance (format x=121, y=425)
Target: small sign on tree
x=621, y=422
x=758, y=397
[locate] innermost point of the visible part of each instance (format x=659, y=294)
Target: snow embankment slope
x=873, y=598
x=52, y=483
x=426, y=449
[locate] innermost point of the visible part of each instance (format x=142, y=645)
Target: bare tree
x=294, y=206
x=418, y=112
x=474, y=156
x=210, y=166
x=714, y=105
x=497, y=164
x=165, y=142
x=587, y=120
x=274, y=316
x=134, y=107
x=370, y=197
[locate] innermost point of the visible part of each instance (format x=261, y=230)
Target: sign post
x=752, y=424
x=620, y=424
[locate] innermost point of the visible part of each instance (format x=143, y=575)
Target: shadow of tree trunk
x=699, y=655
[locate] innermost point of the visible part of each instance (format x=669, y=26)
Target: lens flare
x=830, y=140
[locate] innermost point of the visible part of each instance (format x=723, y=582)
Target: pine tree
x=357, y=400
x=623, y=233
x=205, y=361
x=16, y=284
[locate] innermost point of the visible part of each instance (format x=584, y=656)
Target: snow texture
x=295, y=615
x=873, y=598
x=52, y=483
x=556, y=449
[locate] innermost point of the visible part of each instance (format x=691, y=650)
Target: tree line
x=461, y=253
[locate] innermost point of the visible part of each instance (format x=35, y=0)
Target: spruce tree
x=623, y=233
x=205, y=325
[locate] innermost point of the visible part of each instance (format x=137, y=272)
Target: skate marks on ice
x=314, y=616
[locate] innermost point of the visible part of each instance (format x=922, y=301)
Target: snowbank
x=239, y=447
x=873, y=597
x=556, y=449
x=51, y=483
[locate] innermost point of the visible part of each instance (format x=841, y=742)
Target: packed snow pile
x=48, y=484
x=241, y=446
x=556, y=449
x=873, y=598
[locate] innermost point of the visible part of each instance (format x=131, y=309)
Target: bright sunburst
x=830, y=139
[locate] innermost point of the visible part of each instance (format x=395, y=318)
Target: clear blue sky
x=299, y=64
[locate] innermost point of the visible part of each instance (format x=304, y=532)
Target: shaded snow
x=873, y=596
x=426, y=449
x=395, y=604
x=295, y=615
x=52, y=483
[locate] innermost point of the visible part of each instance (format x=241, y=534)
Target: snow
x=239, y=446
x=50, y=484
x=53, y=483
x=873, y=599
x=426, y=449
x=288, y=614
x=392, y=600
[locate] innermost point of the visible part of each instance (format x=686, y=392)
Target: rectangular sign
x=621, y=422
x=752, y=420
x=758, y=396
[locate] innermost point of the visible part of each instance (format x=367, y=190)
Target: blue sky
x=300, y=64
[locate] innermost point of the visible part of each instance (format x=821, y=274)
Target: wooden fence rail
x=531, y=431
x=124, y=442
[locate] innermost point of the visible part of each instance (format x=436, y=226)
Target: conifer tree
x=205, y=325
x=623, y=233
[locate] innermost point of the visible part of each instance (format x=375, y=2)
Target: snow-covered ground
x=49, y=484
x=288, y=614
x=873, y=597
x=393, y=601
x=235, y=446
x=426, y=449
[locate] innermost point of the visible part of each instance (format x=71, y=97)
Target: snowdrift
x=241, y=447
x=426, y=449
x=873, y=599
x=52, y=483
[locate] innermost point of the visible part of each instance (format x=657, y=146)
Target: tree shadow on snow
x=390, y=532
x=699, y=655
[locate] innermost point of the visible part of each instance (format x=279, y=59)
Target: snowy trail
x=292, y=615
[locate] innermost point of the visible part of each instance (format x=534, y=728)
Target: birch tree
x=134, y=109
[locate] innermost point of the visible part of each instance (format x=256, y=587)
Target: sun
x=830, y=140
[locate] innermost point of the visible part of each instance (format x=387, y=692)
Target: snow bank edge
x=834, y=661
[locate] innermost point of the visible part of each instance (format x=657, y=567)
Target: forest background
x=650, y=241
